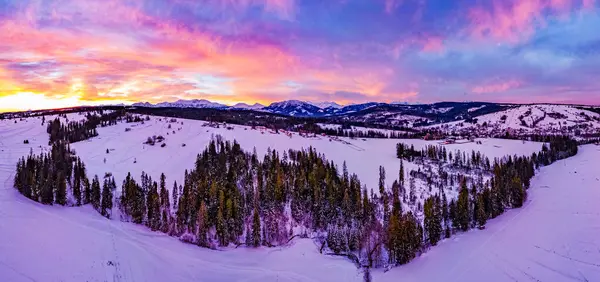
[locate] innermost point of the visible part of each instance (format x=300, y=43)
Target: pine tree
x=153, y=207
x=175, y=194
x=481, y=214
x=61, y=190
x=463, y=213
x=77, y=182
x=202, y=225
x=95, y=194
x=401, y=182
x=432, y=221
x=518, y=193
x=255, y=228
x=107, y=198
x=87, y=191
x=165, y=205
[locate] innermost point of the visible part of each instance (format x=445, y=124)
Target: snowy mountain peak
x=256, y=106
x=294, y=108
x=195, y=103
x=289, y=103
x=324, y=105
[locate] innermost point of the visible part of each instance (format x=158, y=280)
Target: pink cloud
x=496, y=87
x=516, y=19
x=391, y=5
x=589, y=4
x=433, y=44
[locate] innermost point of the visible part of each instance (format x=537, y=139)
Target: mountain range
x=394, y=114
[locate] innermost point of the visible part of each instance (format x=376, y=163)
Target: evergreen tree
x=87, y=191
x=107, y=198
x=481, y=214
x=518, y=193
x=61, y=190
x=95, y=193
x=175, y=194
x=255, y=229
x=202, y=225
x=463, y=213
x=432, y=221
x=153, y=207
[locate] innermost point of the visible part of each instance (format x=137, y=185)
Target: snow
x=363, y=156
x=552, y=238
x=440, y=110
x=256, y=106
x=195, y=103
x=470, y=110
x=55, y=243
x=532, y=113
x=324, y=105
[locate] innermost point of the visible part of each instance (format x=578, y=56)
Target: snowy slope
x=55, y=243
x=44, y=243
x=540, y=118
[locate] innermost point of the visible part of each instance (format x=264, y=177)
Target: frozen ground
x=553, y=238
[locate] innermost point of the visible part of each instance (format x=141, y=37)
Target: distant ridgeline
x=232, y=197
x=399, y=121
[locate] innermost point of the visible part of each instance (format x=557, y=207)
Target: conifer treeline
x=370, y=133
x=49, y=178
x=75, y=131
x=459, y=159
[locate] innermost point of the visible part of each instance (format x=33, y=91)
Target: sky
x=59, y=53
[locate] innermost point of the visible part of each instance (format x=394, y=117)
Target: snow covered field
x=553, y=238
x=362, y=157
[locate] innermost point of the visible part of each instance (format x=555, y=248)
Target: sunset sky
x=56, y=53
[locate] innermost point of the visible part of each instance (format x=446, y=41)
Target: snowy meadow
x=78, y=244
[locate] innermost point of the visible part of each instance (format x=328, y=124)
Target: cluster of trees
x=354, y=133
x=234, y=197
x=440, y=154
x=59, y=177
x=148, y=202
x=73, y=131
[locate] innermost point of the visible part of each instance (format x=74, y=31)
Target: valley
x=122, y=251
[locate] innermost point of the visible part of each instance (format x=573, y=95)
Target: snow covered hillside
x=55, y=243
x=536, y=119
